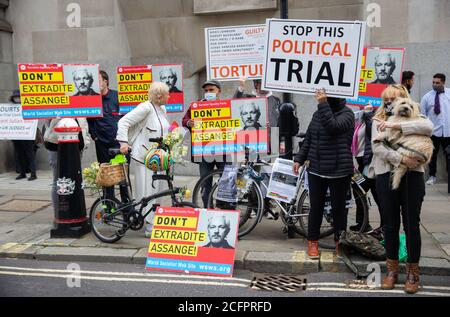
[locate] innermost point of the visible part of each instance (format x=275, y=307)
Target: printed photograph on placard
x=220, y=228
x=251, y=112
x=84, y=78
x=385, y=64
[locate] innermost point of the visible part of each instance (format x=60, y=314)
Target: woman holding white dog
x=407, y=199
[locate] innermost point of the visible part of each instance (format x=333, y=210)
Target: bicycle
x=111, y=218
x=294, y=215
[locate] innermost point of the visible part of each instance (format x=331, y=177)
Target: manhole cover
x=24, y=205
x=282, y=283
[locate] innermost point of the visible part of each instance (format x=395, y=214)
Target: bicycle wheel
x=214, y=177
x=250, y=205
x=105, y=220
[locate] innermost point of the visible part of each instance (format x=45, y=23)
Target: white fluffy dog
x=413, y=145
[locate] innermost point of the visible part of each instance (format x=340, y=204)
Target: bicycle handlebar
x=156, y=140
x=115, y=151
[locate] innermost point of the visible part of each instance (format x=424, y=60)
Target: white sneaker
x=148, y=230
x=431, y=180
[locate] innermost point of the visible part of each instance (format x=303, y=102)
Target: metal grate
x=282, y=283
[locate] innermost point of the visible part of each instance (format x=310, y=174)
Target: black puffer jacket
x=328, y=141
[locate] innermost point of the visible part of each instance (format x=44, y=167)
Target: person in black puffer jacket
x=327, y=147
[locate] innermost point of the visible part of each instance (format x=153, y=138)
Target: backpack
x=363, y=244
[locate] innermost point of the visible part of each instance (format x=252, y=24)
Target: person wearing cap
x=24, y=150
x=212, y=91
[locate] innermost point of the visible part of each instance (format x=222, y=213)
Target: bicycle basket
x=158, y=160
x=110, y=175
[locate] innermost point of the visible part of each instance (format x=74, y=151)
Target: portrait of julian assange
x=386, y=65
x=252, y=114
x=171, y=75
x=219, y=231
x=85, y=79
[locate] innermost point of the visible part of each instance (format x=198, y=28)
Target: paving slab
x=13, y=216
x=24, y=205
x=21, y=233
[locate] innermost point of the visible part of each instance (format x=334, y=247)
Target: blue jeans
x=205, y=169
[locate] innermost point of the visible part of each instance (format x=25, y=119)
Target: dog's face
x=406, y=108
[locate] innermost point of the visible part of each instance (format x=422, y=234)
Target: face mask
x=388, y=108
x=436, y=88
x=210, y=96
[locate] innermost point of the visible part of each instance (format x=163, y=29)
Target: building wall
x=124, y=32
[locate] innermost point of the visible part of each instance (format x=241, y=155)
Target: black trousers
x=317, y=191
x=407, y=201
x=101, y=150
x=26, y=155
x=437, y=142
x=369, y=184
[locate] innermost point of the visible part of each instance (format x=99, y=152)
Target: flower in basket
x=90, y=175
x=174, y=141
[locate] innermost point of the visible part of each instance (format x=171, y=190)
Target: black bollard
x=70, y=218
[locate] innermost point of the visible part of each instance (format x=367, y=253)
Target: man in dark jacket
x=104, y=130
x=327, y=147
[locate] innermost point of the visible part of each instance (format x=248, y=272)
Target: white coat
x=135, y=128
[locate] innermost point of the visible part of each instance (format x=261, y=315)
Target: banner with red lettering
x=380, y=67
x=235, y=51
x=227, y=126
x=56, y=90
x=303, y=56
x=193, y=241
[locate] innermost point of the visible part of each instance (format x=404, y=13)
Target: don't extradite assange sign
x=302, y=56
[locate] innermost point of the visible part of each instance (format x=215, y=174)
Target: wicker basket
x=110, y=175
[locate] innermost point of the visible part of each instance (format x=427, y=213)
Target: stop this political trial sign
x=302, y=56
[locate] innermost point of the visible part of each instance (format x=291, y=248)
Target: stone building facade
x=134, y=32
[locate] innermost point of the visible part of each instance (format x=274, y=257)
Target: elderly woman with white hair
x=147, y=120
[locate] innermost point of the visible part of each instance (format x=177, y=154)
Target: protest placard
x=59, y=90
x=380, y=67
x=227, y=126
x=135, y=81
x=283, y=181
x=172, y=75
x=193, y=241
x=303, y=56
x=235, y=51
x=12, y=126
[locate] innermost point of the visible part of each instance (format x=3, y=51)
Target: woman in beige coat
x=147, y=120
x=405, y=200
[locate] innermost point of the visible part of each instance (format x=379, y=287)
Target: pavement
x=26, y=218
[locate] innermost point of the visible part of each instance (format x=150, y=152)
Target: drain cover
x=282, y=283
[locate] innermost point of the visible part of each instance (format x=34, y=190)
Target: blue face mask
x=210, y=96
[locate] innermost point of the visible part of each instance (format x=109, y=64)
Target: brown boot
x=412, y=278
x=313, y=249
x=337, y=249
x=392, y=275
